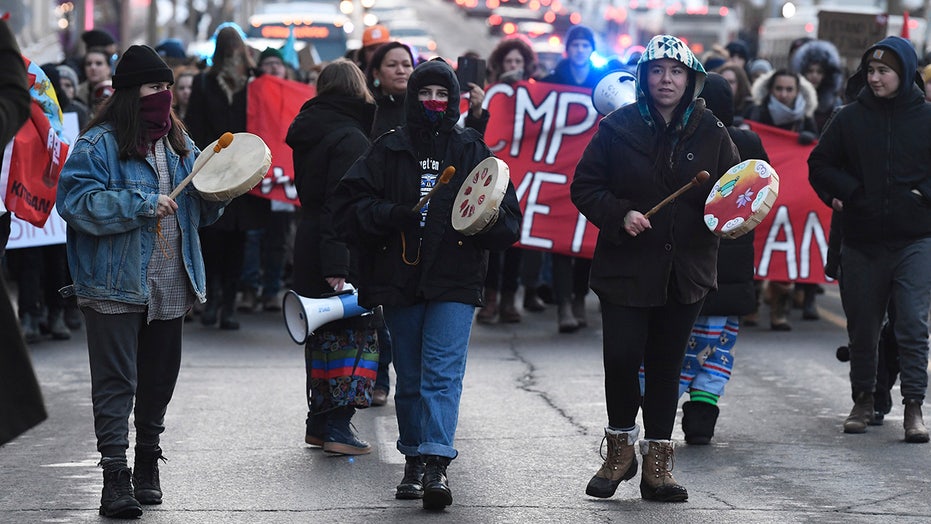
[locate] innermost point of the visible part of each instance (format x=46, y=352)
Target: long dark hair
x=122, y=111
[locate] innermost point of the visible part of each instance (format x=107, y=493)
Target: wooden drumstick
x=443, y=180
x=700, y=178
x=224, y=141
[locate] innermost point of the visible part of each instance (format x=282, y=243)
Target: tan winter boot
x=620, y=464
x=489, y=311
x=862, y=413
x=915, y=430
x=656, y=481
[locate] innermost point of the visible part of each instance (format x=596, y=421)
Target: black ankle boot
x=116, y=499
x=698, y=420
x=411, y=486
x=436, y=493
x=146, y=485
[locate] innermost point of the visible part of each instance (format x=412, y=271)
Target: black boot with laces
x=147, y=488
x=117, y=500
x=411, y=486
x=436, y=492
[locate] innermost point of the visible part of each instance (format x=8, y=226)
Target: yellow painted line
x=837, y=320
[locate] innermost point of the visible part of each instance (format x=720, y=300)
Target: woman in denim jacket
x=135, y=258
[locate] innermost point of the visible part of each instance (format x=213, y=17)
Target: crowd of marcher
x=371, y=154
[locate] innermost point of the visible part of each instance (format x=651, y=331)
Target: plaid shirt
x=170, y=292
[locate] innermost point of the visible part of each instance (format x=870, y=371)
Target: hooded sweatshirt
x=405, y=264
x=874, y=157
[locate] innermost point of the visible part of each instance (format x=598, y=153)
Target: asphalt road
x=530, y=427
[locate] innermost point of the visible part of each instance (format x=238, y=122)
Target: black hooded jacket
x=327, y=137
x=874, y=157
x=450, y=266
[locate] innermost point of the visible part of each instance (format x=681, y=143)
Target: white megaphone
x=303, y=315
x=616, y=90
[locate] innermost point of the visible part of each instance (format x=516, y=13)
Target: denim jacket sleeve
x=100, y=195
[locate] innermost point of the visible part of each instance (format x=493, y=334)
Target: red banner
x=272, y=105
x=792, y=242
x=541, y=130
x=34, y=166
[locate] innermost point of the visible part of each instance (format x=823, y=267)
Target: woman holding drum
x=426, y=274
x=136, y=262
x=651, y=274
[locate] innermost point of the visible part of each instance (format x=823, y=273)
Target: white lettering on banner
x=496, y=89
x=813, y=230
x=553, y=111
x=562, y=117
x=781, y=224
x=277, y=177
x=533, y=208
x=579, y=234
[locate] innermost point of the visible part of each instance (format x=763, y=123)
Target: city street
x=530, y=427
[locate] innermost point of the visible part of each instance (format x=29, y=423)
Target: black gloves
x=806, y=137
x=402, y=217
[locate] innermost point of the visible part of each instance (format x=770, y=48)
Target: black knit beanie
x=140, y=65
x=580, y=32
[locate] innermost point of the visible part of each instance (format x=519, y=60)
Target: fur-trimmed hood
x=760, y=92
x=824, y=53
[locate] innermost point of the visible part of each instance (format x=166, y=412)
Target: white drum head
x=233, y=171
x=480, y=195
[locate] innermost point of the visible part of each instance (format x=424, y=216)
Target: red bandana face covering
x=155, y=112
x=434, y=109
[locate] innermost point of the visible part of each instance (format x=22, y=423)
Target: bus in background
x=316, y=24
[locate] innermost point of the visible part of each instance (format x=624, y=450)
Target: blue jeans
x=430, y=341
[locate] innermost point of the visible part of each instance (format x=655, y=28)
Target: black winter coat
x=327, y=137
x=620, y=171
x=872, y=156
x=209, y=115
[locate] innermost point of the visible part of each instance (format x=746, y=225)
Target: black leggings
x=657, y=337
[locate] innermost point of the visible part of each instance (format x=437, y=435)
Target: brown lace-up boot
x=620, y=464
x=656, y=481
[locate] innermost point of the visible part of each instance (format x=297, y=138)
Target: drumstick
x=225, y=140
x=700, y=178
x=443, y=180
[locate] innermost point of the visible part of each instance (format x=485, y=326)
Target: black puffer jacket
x=327, y=137
x=618, y=173
x=874, y=155
x=451, y=266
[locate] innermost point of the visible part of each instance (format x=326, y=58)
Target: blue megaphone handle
x=351, y=307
